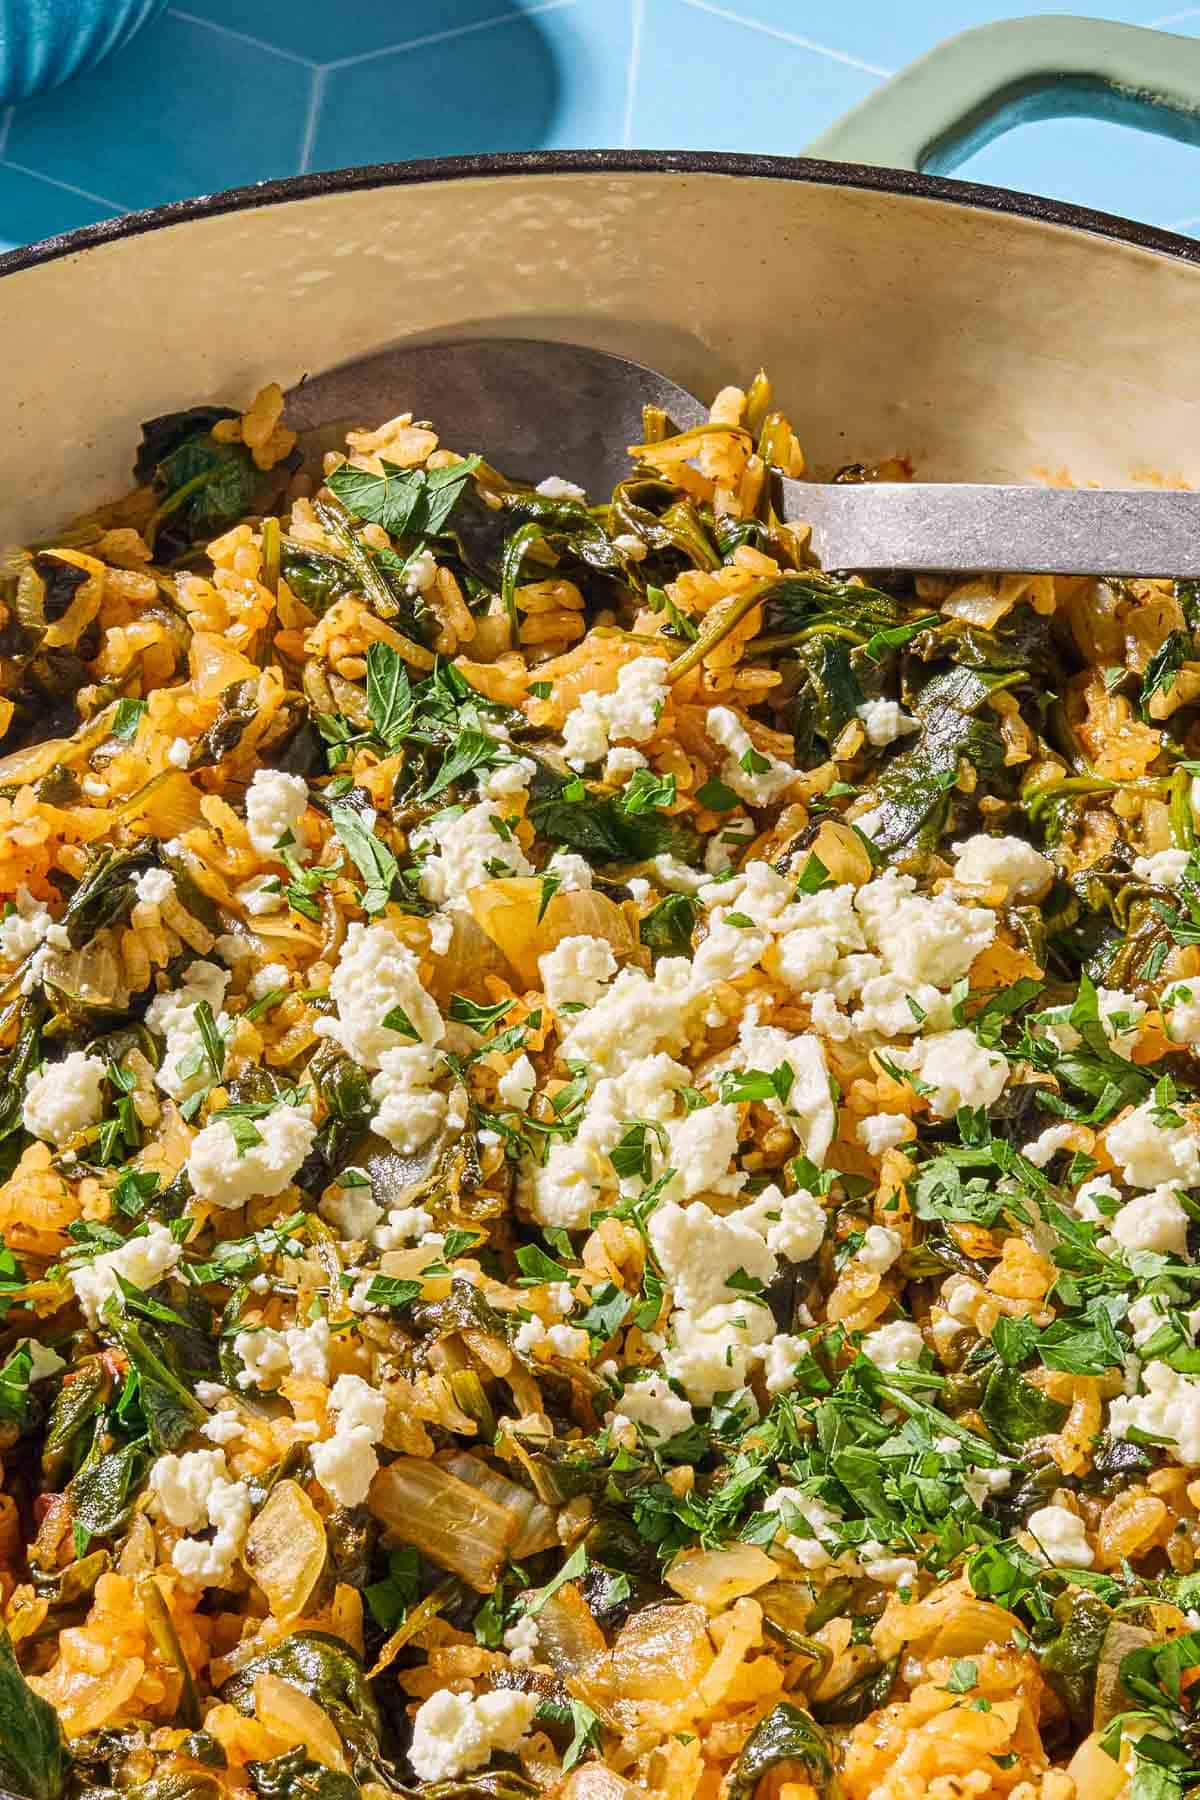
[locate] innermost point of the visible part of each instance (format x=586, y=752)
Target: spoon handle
x=955, y=526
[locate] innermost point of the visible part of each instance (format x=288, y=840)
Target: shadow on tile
x=500, y=89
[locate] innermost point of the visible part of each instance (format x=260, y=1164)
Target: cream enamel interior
x=987, y=346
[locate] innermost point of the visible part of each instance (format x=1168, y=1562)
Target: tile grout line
x=116, y=206
x=240, y=37
x=315, y=99
x=790, y=37
x=637, y=18
x=455, y=31
x=6, y=119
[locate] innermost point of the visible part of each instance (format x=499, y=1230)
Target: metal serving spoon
x=539, y=408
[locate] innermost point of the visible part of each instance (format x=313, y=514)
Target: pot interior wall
x=984, y=345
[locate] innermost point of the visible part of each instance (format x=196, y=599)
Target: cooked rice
x=417, y=965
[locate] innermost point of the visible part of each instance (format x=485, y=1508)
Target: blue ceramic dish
x=45, y=42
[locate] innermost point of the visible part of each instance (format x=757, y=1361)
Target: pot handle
x=977, y=85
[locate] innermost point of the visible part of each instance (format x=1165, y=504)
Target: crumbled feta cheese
x=181, y=1485
x=699, y=1250
x=759, y=780
x=1148, y=1154
x=735, y=833
x=515, y=1087
x=569, y=1341
x=1164, y=869
x=346, y=1463
x=566, y=1189
x=1119, y=1015
x=508, y=778
x=1181, y=1013
x=403, y=1225
x=1153, y=1221
x=1168, y=1409
x=1060, y=1537
x=462, y=850
x=890, y=1571
x=211, y=1563
x=895, y=1007
x=958, y=1069
x=65, y=1099
x=223, y=1428
x=700, y=1148
x=651, y=1404
x=27, y=926
x=529, y=1334
x=179, y=753
x=275, y=808
x=556, y=487
x=712, y=1352
x=520, y=1640
x=184, y=1069
x=631, y=711
x=351, y=1211
x=377, y=975
x=154, y=887
x=808, y=1108
x=1007, y=862
x=260, y=896
x=409, y=1109
x=880, y=1248
x=453, y=1733
x=268, y=1354
x=635, y=1016
x=891, y=1345
x=142, y=1261
x=271, y=979
x=882, y=1131
x=807, y=1522
x=1087, y=1200
x=934, y=940
x=576, y=971
x=420, y=572
x=884, y=721
x=1048, y=1144
x=793, y=1224
x=1145, y=1316
x=623, y=762
x=233, y=948
x=226, y=1175
x=574, y=872
x=780, y=1359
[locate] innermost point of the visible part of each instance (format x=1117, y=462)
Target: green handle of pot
x=965, y=92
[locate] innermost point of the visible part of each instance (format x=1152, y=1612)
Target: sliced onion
x=454, y=1525
x=291, y=1715
x=594, y=1782
x=569, y=1639
x=285, y=1549
x=538, y=1531
x=466, y=964
x=1096, y=1773
x=165, y=807
x=715, y=1578
x=216, y=665
x=508, y=912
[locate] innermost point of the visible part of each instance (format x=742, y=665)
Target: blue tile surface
x=536, y=80
x=219, y=92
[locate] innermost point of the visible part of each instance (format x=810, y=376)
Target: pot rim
x=819, y=173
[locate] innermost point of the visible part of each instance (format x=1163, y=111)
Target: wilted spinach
x=34, y=1759
x=786, y=1735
